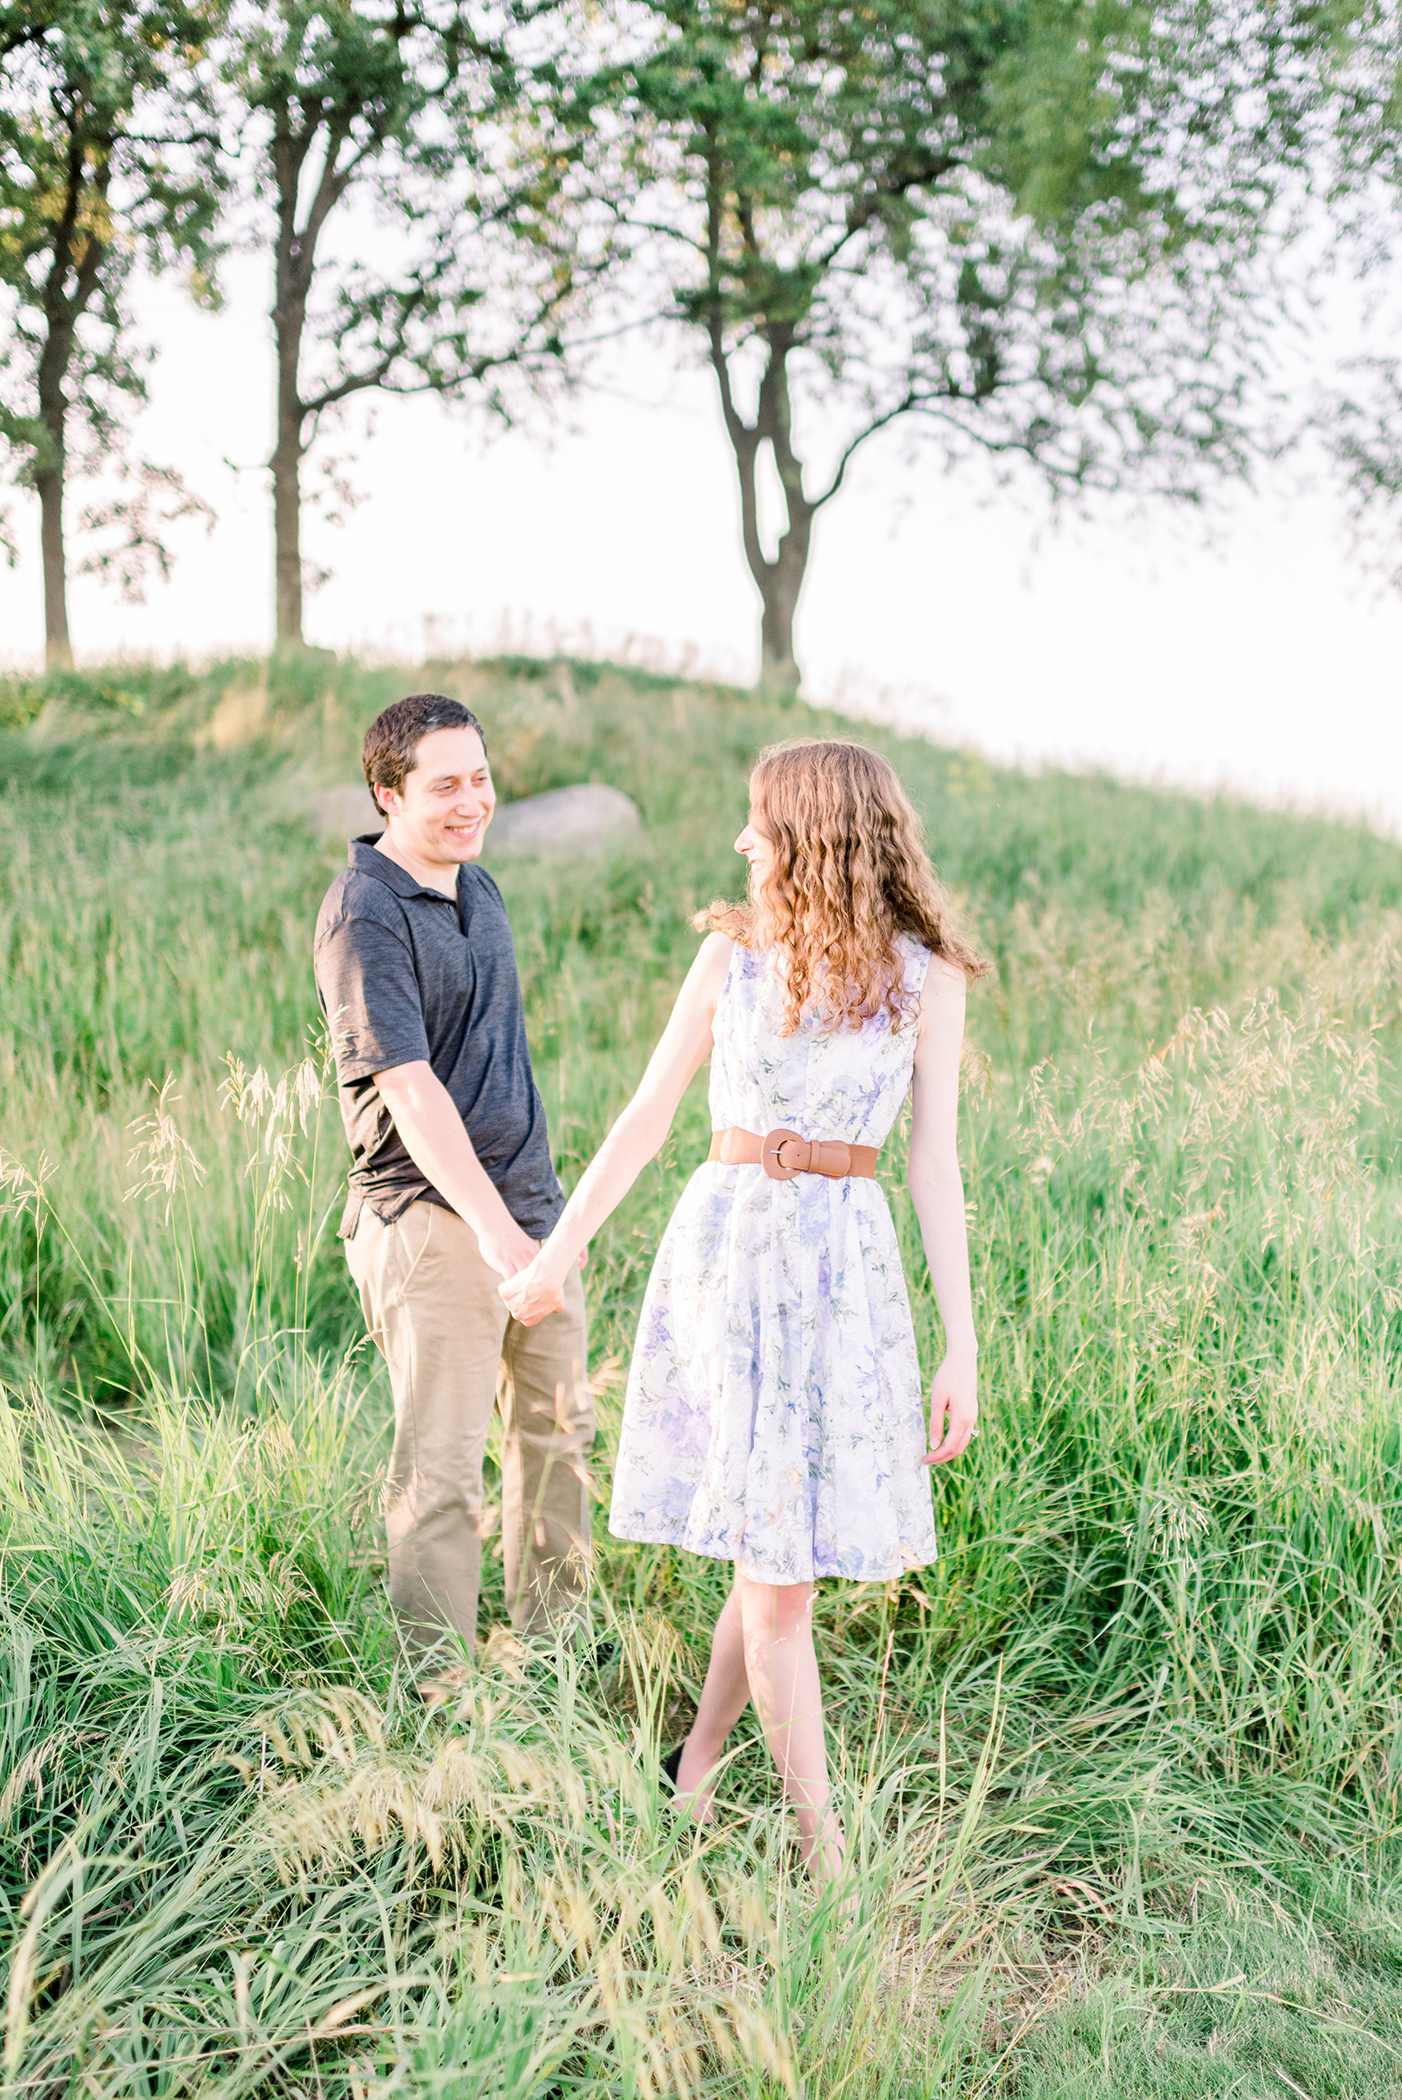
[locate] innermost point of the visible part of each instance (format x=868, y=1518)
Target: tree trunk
x=62, y=307
x=58, y=649
x=780, y=581
x=779, y=588
x=287, y=534
x=287, y=475
x=292, y=275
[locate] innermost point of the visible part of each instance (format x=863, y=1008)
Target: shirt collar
x=364, y=857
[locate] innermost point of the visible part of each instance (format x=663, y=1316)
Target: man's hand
x=532, y=1294
x=954, y=1396
x=505, y=1248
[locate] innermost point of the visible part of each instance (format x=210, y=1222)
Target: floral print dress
x=774, y=1413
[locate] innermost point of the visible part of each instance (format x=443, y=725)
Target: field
x=1121, y=1773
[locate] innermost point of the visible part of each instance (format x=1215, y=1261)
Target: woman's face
x=758, y=851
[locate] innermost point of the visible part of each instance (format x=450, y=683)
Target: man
x=452, y=1187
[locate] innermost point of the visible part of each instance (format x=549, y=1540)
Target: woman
x=774, y=1411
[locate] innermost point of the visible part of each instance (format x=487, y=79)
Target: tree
x=1356, y=413
x=432, y=129
x=976, y=219
x=104, y=156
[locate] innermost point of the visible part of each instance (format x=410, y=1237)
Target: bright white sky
x=1267, y=663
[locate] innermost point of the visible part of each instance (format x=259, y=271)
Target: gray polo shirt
x=403, y=974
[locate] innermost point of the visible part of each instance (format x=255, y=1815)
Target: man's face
x=448, y=799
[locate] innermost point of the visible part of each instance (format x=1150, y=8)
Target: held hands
x=533, y=1293
x=954, y=1395
x=504, y=1247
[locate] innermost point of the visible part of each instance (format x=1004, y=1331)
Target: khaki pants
x=433, y=1310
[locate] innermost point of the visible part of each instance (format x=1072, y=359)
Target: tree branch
x=881, y=422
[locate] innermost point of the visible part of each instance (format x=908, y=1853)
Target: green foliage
x=1121, y=1771
x=105, y=156
x=1356, y=411
x=983, y=221
x=434, y=121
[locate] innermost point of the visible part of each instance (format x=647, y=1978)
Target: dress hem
x=819, y=1574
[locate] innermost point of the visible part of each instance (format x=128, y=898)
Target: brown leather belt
x=782, y=1154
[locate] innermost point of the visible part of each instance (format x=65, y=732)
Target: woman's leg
x=782, y=1666
x=724, y=1697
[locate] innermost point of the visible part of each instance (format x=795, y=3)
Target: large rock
x=566, y=824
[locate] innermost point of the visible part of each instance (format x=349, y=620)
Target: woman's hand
x=953, y=1407
x=536, y=1292
x=533, y=1284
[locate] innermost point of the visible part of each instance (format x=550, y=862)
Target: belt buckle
x=771, y=1151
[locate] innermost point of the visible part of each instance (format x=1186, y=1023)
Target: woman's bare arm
x=636, y=1137
x=937, y=1190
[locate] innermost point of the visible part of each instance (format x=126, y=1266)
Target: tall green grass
x=1120, y=1772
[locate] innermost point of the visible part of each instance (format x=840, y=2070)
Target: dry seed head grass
x=277, y=1110
x=485, y=1777
x=234, y=1604
x=645, y=1944
x=1174, y=1519
x=328, y=1785
x=162, y=1157
x=1267, y=1101
x=29, y=1772
x=22, y=1188
x=1064, y=960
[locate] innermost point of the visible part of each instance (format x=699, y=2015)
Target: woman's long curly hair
x=850, y=875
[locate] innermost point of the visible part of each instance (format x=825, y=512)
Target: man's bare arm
x=438, y=1144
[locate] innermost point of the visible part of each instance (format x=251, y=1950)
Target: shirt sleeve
x=374, y=1009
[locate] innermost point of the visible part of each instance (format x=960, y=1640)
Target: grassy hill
x=1122, y=1769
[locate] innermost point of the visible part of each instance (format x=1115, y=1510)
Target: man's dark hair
x=390, y=750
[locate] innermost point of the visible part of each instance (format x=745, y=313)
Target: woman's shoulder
x=916, y=957
x=931, y=981
x=944, y=984
x=744, y=974
x=714, y=959
x=741, y=960
x=920, y=957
